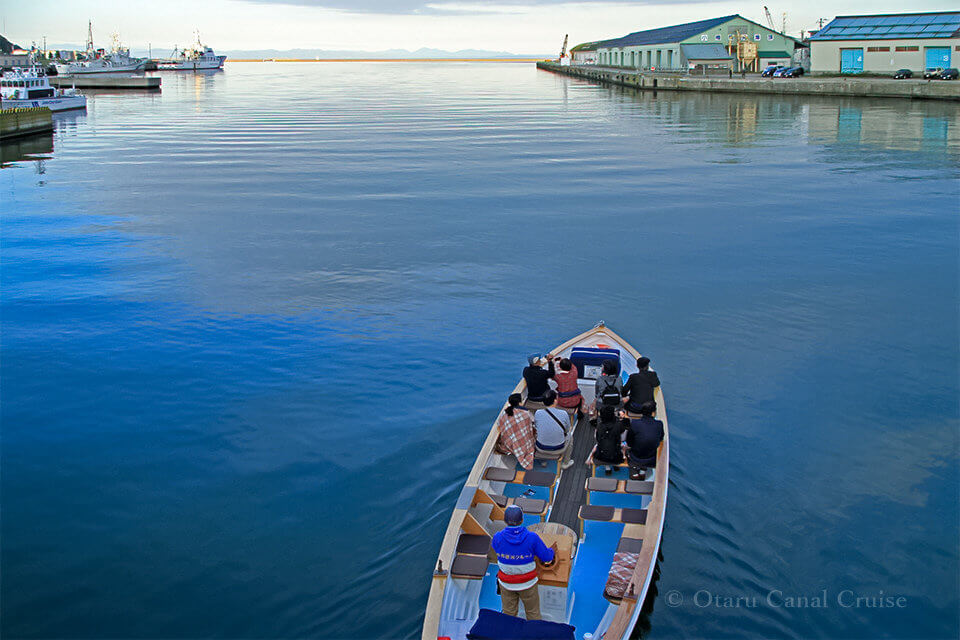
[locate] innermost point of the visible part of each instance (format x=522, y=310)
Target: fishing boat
x=192, y=59
x=24, y=88
x=607, y=526
x=117, y=60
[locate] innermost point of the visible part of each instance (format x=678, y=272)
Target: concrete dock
x=16, y=123
x=107, y=81
x=810, y=85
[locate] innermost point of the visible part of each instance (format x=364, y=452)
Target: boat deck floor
x=570, y=493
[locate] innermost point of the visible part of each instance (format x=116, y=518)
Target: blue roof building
x=702, y=44
x=886, y=43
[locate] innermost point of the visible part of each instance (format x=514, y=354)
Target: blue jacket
x=516, y=548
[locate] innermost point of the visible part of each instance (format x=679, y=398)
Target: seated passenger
x=568, y=391
x=517, y=550
x=639, y=387
x=516, y=431
x=608, y=389
x=552, y=426
x=644, y=437
x=610, y=430
x=537, y=379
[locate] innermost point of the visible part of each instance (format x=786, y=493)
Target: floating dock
x=16, y=123
x=811, y=85
x=107, y=81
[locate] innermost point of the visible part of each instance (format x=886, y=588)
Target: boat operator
x=517, y=550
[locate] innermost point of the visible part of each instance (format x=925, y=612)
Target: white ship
x=117, y=60
x=24, y=88
x=192, y=59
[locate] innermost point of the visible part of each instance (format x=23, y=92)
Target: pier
x=16, y=123
x=811, y=85
x=107, y=81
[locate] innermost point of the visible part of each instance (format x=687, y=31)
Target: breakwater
x=24, y=122
x=848, y=87
x=107, y=81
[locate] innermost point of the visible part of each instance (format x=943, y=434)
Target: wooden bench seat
x=611, y=514
x=531, y=506
x=512, y=476
x=630, y=545
x=612, y=485
x=473, y=545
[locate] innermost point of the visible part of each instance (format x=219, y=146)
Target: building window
x=957, y=48
x=703, y=38
x=755, y=37
x=908, y=48
x=877, y=49
x=716, y=37
x=769, y=36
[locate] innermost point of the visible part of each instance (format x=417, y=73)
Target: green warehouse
x=701, y=45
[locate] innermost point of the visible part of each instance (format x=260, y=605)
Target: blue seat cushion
x=589, y=360
x=494, y=625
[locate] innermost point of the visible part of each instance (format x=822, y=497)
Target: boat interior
x=608, y=522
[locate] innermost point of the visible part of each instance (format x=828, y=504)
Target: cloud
x=441, y=7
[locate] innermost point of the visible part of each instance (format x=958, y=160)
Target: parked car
x=792, y=72
x=769, y=71
x=903, y=73
x=950, y=74
x=932, y=72
x=779, y=72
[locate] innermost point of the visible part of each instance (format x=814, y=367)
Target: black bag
x=611, y=395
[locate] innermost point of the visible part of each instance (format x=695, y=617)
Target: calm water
x=255, y=329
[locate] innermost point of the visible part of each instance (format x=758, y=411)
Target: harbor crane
x=563, y=49
x=783, y=25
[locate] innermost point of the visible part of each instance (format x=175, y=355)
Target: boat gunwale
x=627, y=611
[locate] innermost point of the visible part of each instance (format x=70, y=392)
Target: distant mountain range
x=328, y=54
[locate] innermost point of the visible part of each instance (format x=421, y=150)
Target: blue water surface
x=255, y=328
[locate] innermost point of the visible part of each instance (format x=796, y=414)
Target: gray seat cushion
x=633, y=516
x=539, y=478
x=596, y=512
x=473, y=544
x=499, y=474
x=474, y=567
x=501, y=501
x=602, y=484
x=531, y=505
x=629, y=545
x=637, y=486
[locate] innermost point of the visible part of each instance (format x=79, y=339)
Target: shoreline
x=809, y=85
x=520, y=60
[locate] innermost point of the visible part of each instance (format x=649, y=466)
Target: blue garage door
x=938, y=57
x=851, y=60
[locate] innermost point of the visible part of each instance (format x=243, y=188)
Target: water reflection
x=747, y=119
x=24, y=149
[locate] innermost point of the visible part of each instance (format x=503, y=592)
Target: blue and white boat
x=609, y=527
x=28, y=88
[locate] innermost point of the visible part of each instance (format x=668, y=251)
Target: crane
x=766, y=12
x=563, y=49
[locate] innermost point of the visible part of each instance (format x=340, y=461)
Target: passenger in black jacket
x=644, y=437
x=610, y=430
x=639, y=386
x=537, y=379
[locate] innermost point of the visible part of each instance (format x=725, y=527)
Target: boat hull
x=451, y=597
x=63, y=103
x=192, y=65
x=78, y=70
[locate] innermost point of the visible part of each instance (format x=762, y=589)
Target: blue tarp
x=494, y=625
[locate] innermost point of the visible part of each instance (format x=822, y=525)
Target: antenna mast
x=89, y=35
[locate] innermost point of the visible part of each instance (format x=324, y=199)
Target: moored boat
x=23, y=88
x=607, y=526
x=117, y=60
x=193, y=59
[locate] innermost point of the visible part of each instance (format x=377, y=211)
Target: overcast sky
x=517, y=26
